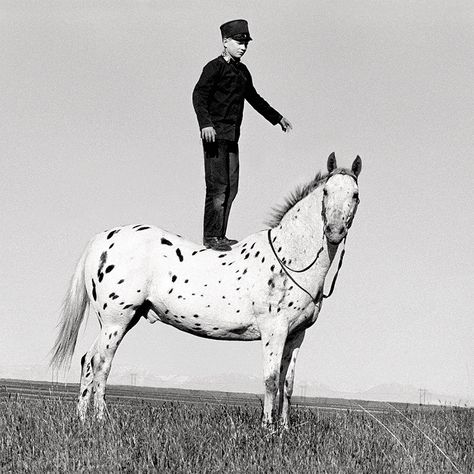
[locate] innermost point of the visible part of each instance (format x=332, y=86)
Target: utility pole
x=423, y=393
x=303, y=388
x=133, y=379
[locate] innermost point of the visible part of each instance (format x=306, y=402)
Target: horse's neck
x=300, y=236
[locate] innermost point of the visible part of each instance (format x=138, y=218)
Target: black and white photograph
x=236, y=236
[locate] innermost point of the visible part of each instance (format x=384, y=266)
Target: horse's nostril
x=342, y=230
x=328, y=228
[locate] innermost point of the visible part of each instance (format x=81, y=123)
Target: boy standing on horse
x=218, y=100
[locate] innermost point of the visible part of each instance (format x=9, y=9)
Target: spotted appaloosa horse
x=269, y=287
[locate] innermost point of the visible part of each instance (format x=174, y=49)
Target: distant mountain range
x=241, y=383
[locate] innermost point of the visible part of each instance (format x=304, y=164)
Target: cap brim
x=242, y=37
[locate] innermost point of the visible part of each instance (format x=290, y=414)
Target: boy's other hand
x=285, y=124
x=208, y=134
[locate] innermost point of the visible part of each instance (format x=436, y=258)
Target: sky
x=97, y=130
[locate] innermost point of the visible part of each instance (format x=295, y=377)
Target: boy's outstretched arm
x=264, y=108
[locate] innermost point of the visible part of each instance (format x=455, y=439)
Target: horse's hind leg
x=110, y=337
x=87, y=378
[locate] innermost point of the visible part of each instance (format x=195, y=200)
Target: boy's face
x=235, y=48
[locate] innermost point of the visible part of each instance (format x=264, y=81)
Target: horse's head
x=340, y=199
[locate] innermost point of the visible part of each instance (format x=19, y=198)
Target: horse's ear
x=357, y=166
x=332, y=164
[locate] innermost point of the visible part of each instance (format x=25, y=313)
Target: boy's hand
x=208, y=134
x=285, y=124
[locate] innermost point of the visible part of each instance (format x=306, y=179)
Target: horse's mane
x=294, y=198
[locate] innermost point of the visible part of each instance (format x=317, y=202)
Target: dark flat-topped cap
x=236, y=29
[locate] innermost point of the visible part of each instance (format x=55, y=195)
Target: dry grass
x=44, y=436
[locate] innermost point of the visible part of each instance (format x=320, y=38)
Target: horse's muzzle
x=335, y=233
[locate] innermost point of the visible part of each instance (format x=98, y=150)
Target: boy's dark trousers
x=221, y=165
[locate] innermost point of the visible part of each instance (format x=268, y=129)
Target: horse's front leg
x=287, y=376
x=273, y=342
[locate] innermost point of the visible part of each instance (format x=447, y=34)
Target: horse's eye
x=325, y=192
x=356, y=196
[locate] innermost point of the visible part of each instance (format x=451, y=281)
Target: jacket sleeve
x=202, y=92
x=260, y=104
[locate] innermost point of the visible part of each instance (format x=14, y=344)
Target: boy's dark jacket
x=219, y=95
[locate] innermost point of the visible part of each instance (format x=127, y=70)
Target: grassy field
x=44, y=436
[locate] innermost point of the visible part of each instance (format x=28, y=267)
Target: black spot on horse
x=112, y=233
x=186, y=281
x=120, y=282
x=257, y=253
x=109, y=268
x=94, y=292
x=253, y=245
x=143, y=228
x=169, y=292
x=115, y=333
x=179, y=254
x=84, y=393
x=196, y=315
x=246, y=256
x=290, y=304
x=165, y=241
x=128, y=306
x=138, y=291
x=105, y=305
x=215, y=329
x=242, y=251
x=272, y=268
x=103, y=259
x=222, y=255
x=111, y=245
x=174, y=278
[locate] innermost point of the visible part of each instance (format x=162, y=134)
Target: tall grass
x=45, y=436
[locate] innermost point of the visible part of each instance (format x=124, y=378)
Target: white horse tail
x=73, y=311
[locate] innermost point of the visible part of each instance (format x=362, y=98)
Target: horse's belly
x=200, y=321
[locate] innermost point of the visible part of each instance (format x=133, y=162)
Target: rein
x=286, y=269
